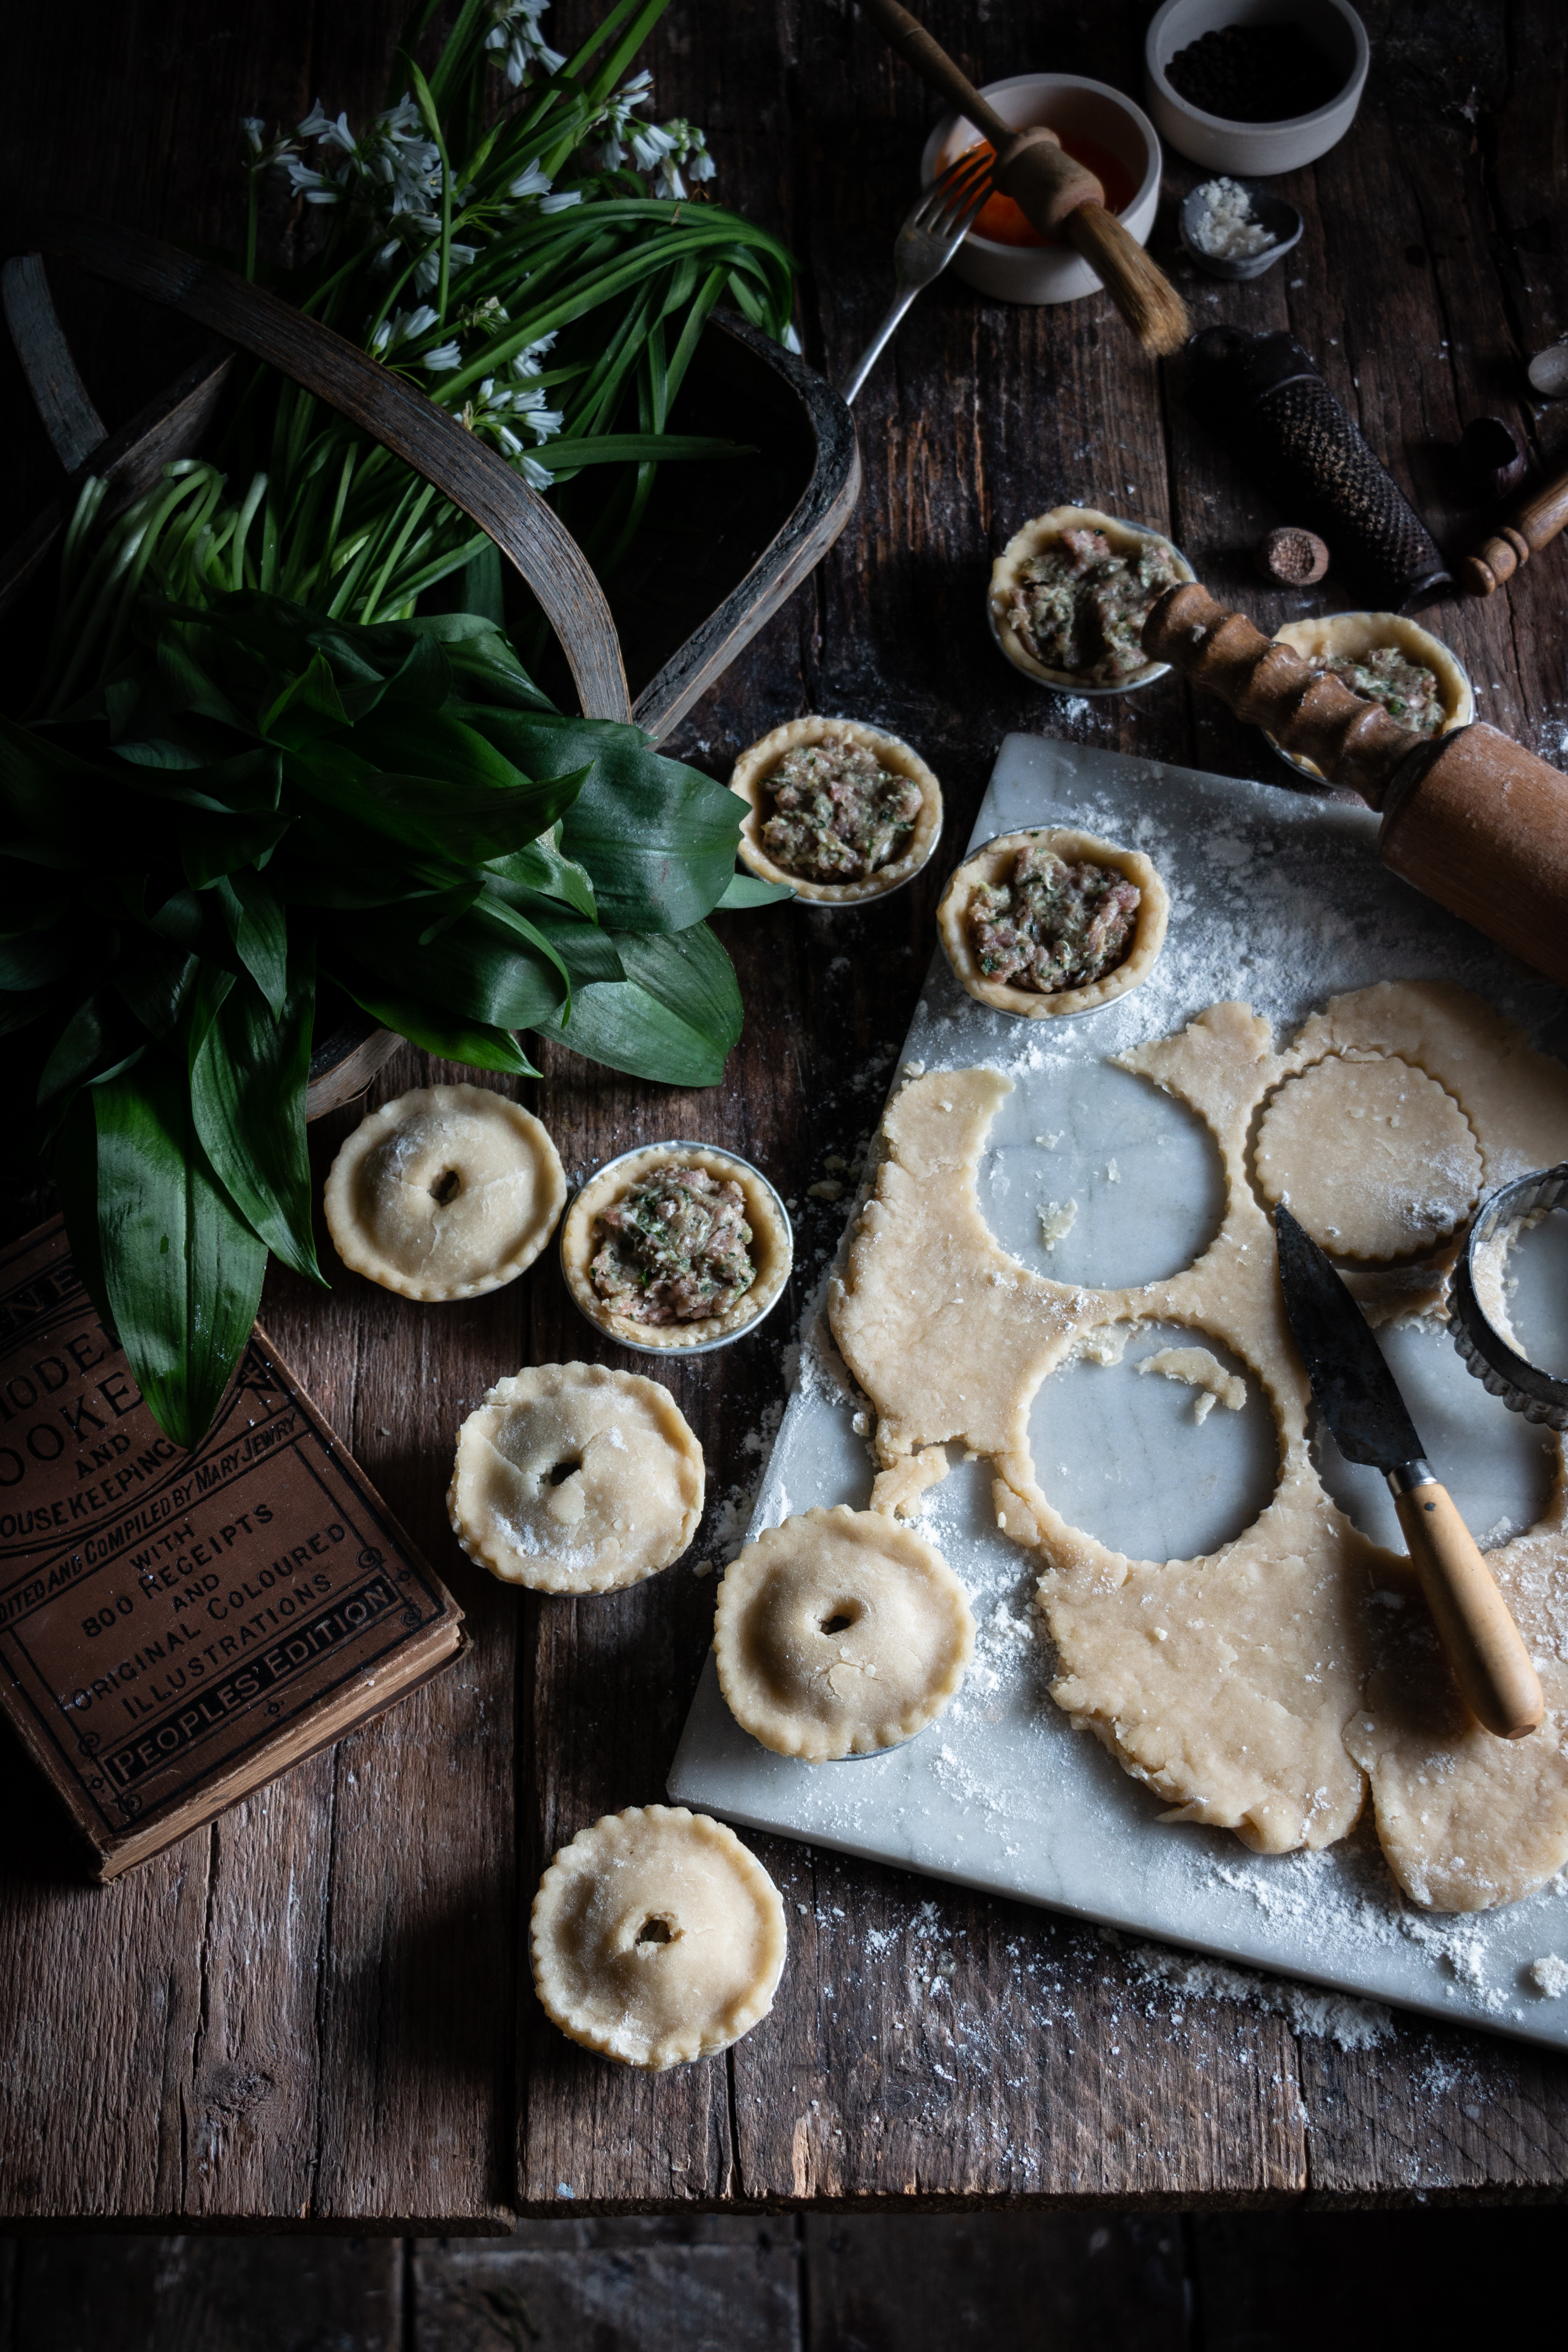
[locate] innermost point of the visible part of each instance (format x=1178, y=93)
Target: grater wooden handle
x=1535, y=525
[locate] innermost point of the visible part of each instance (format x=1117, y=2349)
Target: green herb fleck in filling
x=1050, y=925
x=1078, y=608
x=1407, y=689
x=673, y=1249
x=839, y=814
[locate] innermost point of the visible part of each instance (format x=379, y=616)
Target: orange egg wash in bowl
x=1001, y=255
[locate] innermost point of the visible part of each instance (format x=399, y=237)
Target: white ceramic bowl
x=1065, y=102
x=1254, y=150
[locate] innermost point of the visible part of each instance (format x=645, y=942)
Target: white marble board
x=1277, y=899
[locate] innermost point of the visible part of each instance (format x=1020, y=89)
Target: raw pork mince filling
x=1080, y=609
x=1050, y=925
x=675, y=1248
x=1407, y=689
x=839, y=814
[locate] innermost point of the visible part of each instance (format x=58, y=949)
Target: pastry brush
x=1057, y=197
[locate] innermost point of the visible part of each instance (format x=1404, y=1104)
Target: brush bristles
x=1144, y=296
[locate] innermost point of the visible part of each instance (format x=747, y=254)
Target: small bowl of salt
x=1234, y=229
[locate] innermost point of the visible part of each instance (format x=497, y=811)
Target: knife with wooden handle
x=1356, y=1394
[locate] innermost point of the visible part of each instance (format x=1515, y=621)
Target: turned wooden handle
x=1268, y=685
x=1538, y=521
x=1480, y=823
x=906, y=36
x=1045, y=184
x=1483, y=1646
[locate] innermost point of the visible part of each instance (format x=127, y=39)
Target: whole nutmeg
x=1293, y=556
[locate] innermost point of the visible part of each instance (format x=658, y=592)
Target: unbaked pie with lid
x=676, y=1246
x=657, y=1937
x=445, y=1194
x=840, y=1633
x=575, y=1478
x=839, y=811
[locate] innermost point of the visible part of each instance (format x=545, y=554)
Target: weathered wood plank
x=224, y=2295
x=947, y=2047
x=321, y=2008
x=993, y=2278
x=639, y=2293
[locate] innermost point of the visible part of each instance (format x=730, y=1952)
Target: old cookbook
x=177, y=1629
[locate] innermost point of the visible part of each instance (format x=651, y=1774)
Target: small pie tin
x=1501, y=1370
x=678, y=1351
x=1062, y=682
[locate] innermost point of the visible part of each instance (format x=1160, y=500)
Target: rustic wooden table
x=318, y=2013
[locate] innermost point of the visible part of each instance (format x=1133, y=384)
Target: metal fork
x=927, y=242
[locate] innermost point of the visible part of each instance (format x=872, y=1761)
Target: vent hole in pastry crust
x=841, y=1618
x=562, y=1472
x=656, y=1931
x=445, y=1187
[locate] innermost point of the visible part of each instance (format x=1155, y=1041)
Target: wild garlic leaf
x=254, y=917
x=182, y=1271
x=247, y=1099
x=540, y=871
x=437, y=1029
x=674, y=1018
x=749, y=890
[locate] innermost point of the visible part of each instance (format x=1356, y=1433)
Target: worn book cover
x=177, y=1628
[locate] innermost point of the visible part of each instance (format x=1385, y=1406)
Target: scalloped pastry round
x=772, y=1245
x=754, y=766
x=1375, y=1158
x=575, y=1478
x=657, y=1937
x=445, y=1192
x=990, y=864
x=840, y=1633
x=1037, y=534
x=1283, y=1686
x=1359, y=634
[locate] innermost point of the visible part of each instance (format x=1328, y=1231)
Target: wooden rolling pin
x=1057, y=197
x=1473, y=820
x=1538, y=521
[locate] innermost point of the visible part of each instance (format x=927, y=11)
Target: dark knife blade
x=1354, y=1388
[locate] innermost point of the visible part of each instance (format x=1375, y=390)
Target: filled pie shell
x=991, y=865
x=772, y=1245
x=753, y=767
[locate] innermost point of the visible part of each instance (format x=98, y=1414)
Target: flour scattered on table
x=1306, y=2009
x=1549, y=1975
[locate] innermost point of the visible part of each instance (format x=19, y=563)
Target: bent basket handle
x=396, y=414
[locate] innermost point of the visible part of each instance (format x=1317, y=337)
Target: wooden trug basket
x=475, y=478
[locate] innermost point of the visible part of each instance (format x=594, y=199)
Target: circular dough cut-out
x=575, y=1478
x=753, y=767
x=991, y=865
x=1037, y=535
x=1375, y=1158
x=1359, y=634
x=838, y=1633
x=657, y=1937
x=444, y=1193
x=772, y=1245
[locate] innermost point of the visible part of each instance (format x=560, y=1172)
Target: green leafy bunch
x=263, y=802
